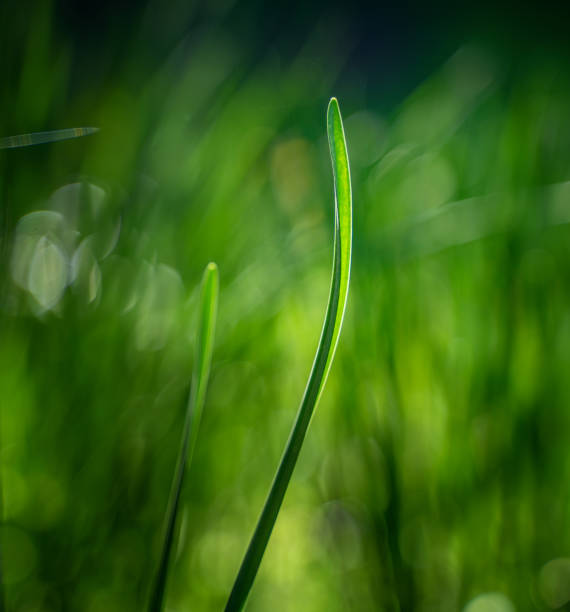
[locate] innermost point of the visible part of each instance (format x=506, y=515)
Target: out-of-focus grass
x=434, y=478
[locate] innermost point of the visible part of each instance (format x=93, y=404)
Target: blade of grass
x=35, y=138
x=202, y=360
x=342, y=249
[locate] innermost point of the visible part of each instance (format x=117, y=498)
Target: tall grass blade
x=342, y=250
x=35, y=138
x=202, y=360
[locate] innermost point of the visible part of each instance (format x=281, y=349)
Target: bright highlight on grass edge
x=342, y=250
x=200, y=374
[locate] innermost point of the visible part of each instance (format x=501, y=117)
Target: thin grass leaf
x=342, y=250
x=202, y=360
x=35, y=138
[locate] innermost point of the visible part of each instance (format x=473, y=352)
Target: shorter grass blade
x=35, y=138
x=202, y=360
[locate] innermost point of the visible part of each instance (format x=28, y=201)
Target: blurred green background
x=435, y=476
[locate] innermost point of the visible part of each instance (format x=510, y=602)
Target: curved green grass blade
x=35, y=138
x=201, y=371
x=321, y=366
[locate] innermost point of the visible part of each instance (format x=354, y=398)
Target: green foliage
x=342, y=251
x=27, y=140
x=433, y=478
x=202, y=361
